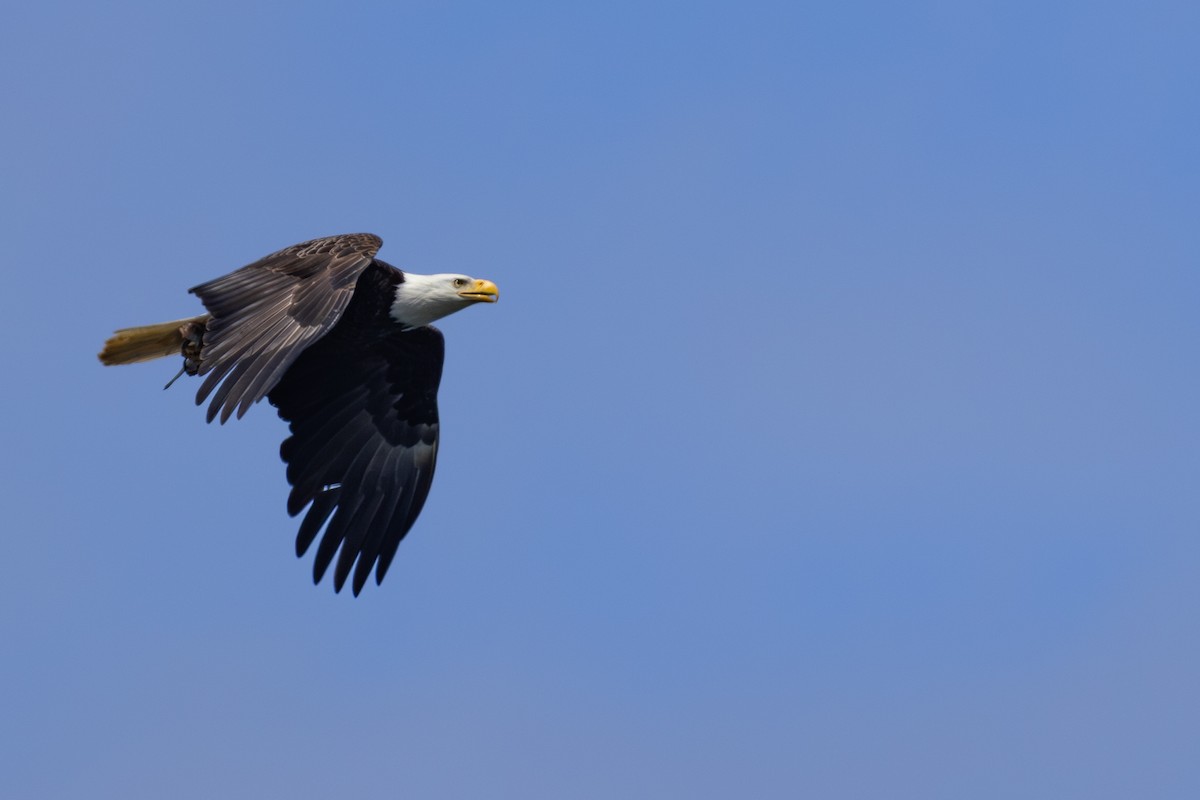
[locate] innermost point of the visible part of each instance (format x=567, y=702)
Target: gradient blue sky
x=835, y=436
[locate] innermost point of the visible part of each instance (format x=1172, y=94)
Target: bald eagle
x=341, y=344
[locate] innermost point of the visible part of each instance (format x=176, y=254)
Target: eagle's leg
x=192, y=333
x=193, y=338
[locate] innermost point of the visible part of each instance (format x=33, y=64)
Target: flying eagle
x=341, y=344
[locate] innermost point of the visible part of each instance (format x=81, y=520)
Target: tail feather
x=131, y=345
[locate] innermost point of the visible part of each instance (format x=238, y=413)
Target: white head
x=421, y=299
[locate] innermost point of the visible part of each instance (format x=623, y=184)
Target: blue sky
x=835, y=435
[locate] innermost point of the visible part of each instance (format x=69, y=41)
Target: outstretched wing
x=266, y=313
x=364, y=441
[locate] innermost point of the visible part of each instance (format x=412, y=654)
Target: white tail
x=131, y=345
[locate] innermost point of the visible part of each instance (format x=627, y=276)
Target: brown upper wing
x=265, y=314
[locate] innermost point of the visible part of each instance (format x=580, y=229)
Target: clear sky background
x=835, y=435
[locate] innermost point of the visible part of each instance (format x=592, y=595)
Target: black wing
x=364, y=441
x=265, y=314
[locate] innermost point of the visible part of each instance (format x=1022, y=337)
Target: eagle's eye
x=459, y=283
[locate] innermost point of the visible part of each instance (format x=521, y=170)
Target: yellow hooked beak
x=481, y=291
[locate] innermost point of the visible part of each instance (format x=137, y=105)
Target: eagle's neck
x=422, y=299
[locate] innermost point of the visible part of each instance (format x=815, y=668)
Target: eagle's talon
x=193, y=334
